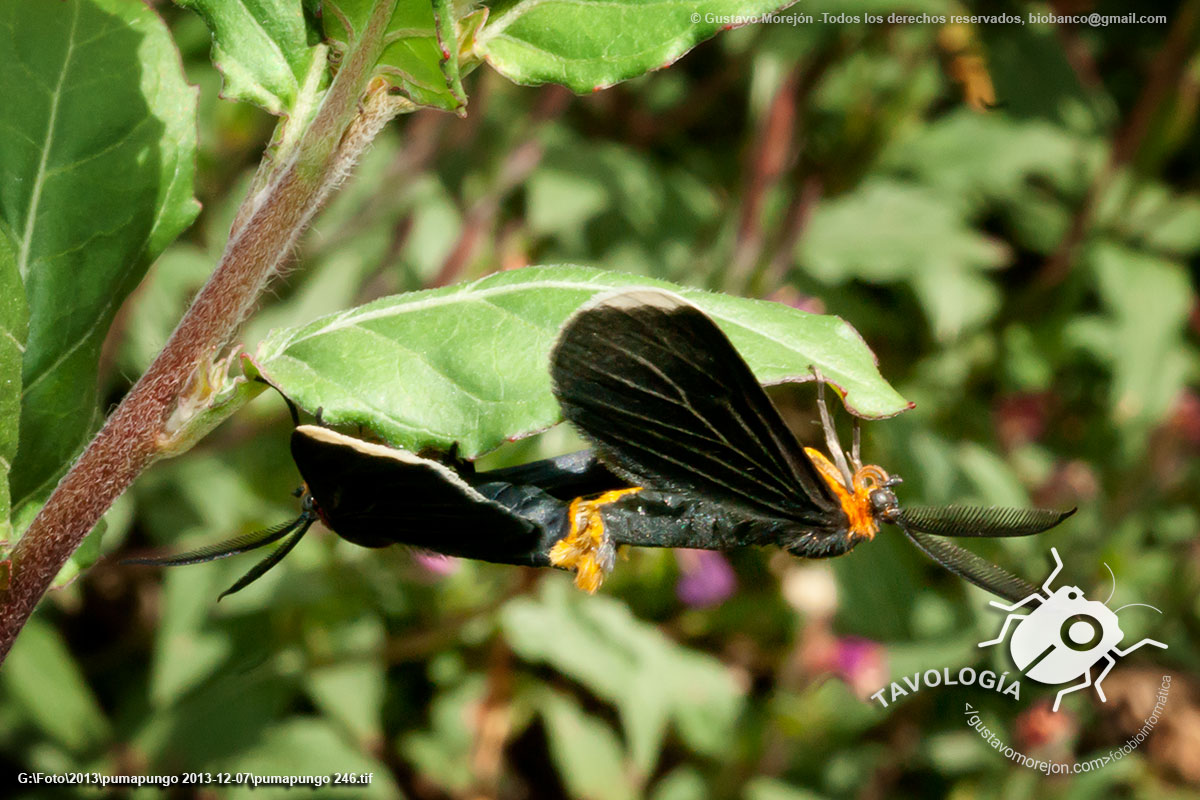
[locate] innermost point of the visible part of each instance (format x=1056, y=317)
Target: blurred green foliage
x=1027, y=275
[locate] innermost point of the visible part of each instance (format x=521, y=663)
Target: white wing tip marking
x=330, y=436
x=633, y=297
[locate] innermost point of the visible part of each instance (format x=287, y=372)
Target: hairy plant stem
x=351, y=113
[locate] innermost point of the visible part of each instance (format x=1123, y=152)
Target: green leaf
x=883, y=578
x=351, y=690
x=467, y=364
x=41, y=678
x=186, y=654
x=650, y=679
x=1143, y=337
x=352, y=694
x=683, y=783
x=96, y=183
x=586, y=45
x=264, y=48
x=587, y=752
x=894, y=231
x=763, y=788
x=439, y=753
x=889, y=230
x=993, y=156
x=14, y=324
x=993, y=479
x=563, y=201
x=1150, y=214
x=224, y=721
x=1025, y=167
x=1036, y=79
x=310, y=747
x=621, y=208
x=271, y=55
x=421, y=52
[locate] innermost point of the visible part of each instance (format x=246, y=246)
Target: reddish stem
x=129, y=440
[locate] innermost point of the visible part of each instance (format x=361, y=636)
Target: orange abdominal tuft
x=585, y=548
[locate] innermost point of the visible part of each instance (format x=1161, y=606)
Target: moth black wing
x=375, y=496
x=974, y=568
x=971, y=521
x=669, y=404
x=566, y=477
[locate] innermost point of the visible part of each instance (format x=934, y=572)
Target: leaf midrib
x=355, y=320
x=35, y=196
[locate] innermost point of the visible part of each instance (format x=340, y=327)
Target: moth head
x=884, y=504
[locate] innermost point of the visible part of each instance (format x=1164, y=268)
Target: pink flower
x=861, y=663
x=436, y=564
x=707, y=578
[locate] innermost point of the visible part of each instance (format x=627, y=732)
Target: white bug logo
x=1064, y=637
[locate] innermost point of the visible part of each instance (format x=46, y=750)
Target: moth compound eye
x=884, y=503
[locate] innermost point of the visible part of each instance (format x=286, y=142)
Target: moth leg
x=831, y=438
x=856, y=447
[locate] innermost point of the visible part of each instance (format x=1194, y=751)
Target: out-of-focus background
x=1007, y=213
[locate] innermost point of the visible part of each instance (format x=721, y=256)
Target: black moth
x=689, y=452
